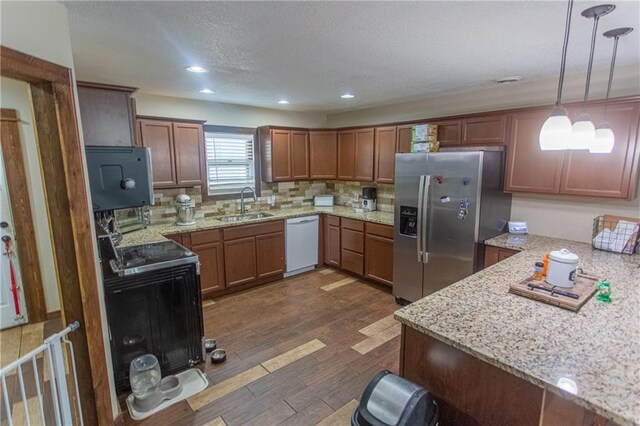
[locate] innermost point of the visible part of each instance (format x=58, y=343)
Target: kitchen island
x=491, y=357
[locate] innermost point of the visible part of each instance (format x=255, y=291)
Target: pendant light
x=556, y=130
x=605, y=138
x=584, y=132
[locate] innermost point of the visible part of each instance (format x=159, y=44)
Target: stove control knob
x=128, y=183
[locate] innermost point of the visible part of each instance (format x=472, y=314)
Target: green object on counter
x=604, y=291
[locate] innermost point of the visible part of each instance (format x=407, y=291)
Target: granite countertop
x=598, y=348
x=158, y=230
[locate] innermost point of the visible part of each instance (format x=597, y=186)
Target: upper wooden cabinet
x=107, y=113
x=448, y=132
x=529, y=169
x=323, y=154
x=484, y=130
x=284, y=154
x=404, y=134
x=614, y=175
x=356, y=154
x=611, y=175
x=385, y=154
x=177, y=151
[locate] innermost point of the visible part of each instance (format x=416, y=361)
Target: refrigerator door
x=452, y=218
x=407, y=259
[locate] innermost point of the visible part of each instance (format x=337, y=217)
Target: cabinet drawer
x=379, y=230
x=205, y=237
x=486, y=130
x=352, y=262
x=353, y=240
x=253, y=230
x=333, y=220
x=356, y=225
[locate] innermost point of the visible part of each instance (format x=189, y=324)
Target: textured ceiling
x=312, y=52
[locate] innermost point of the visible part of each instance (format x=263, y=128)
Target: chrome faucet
x=242, y=208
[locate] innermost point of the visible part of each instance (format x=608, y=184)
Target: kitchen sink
x=242, y=217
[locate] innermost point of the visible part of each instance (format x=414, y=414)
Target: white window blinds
x=230, y=162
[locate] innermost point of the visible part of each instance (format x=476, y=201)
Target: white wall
x=15, y=95
x=41, y=29
x=222, y=114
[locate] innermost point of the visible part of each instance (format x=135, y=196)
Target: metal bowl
x=209, y=345
x=218, y=356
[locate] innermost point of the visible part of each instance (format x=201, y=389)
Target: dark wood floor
x=290, y=356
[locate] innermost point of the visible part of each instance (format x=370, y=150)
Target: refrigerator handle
x=419, y=239
x=424, y=207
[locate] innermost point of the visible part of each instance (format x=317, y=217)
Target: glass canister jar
x=144, y=375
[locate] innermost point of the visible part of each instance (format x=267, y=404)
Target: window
x=230, y=162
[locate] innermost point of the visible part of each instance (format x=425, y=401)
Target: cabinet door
x=188, y=139
x=158, y=135
x=107, y=116
x=385, y=154
x=270, y=253
x=379, y=259
x=364, y=157
x=240, y=261
x=485, y=130
x=323, y=155
x=448, y=132
x=605, y=175
x=346, y=154
x=403, y=140
x=281, y=155
x=529, y=169
x=299, y=155
x=211, y=258
x=332, y=245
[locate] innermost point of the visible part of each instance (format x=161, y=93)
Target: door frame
x=64, y=178
x=24, y=231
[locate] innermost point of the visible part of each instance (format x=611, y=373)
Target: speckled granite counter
x=158, y=229
x=598, y=347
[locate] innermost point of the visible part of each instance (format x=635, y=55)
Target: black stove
x=151, y=257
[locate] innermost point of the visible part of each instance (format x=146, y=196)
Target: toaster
x=323, y=200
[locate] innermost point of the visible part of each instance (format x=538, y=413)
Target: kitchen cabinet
x=404, y=135
x=323, y=154
x=449, y=132
x=253, y=252
x=612, y=175
x=209, y=248
x=177, y=151
x=356, y=154
x=529, y=169
x=378, y=249
x=484, y=130
x=385, y=154
x=332, y=240
x=493, y=255
x=108, y=114
x=352, y=241
x=284, y=154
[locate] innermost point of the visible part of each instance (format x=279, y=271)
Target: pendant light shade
x=583, y=133
x=556, y=131
x=604, y=140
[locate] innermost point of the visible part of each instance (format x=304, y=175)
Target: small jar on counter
x=538, y=269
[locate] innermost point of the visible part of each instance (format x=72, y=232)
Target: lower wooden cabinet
x=208, y=246
x=332, y=241
x=378, y=249
x=270, y=254
x=240, y=261
x=493, y=255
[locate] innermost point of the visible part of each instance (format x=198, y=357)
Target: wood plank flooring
x=290, y=353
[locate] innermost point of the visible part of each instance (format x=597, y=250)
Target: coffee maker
x=369, y=195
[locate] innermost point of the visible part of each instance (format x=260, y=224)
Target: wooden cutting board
x=585, y=286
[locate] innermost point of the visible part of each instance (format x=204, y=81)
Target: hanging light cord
x=613, y=63
x=564, y=51
x=593, y=46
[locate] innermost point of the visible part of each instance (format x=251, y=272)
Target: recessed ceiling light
x=509, y=79
x=284, y=102
x=347, y=96
x=196, y=68
x=207, y=91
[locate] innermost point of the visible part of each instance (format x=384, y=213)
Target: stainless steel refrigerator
x=446, y=205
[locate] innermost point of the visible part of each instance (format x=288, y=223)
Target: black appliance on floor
x=154, y=306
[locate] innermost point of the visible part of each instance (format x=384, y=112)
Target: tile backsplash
x=287, y=195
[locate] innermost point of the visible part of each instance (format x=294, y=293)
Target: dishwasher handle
x=301, y=222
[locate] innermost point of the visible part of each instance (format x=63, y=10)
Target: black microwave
x=119, y=177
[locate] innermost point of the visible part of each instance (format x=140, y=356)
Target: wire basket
x=616, y=234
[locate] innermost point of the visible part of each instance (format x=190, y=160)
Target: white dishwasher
x=301, y=235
